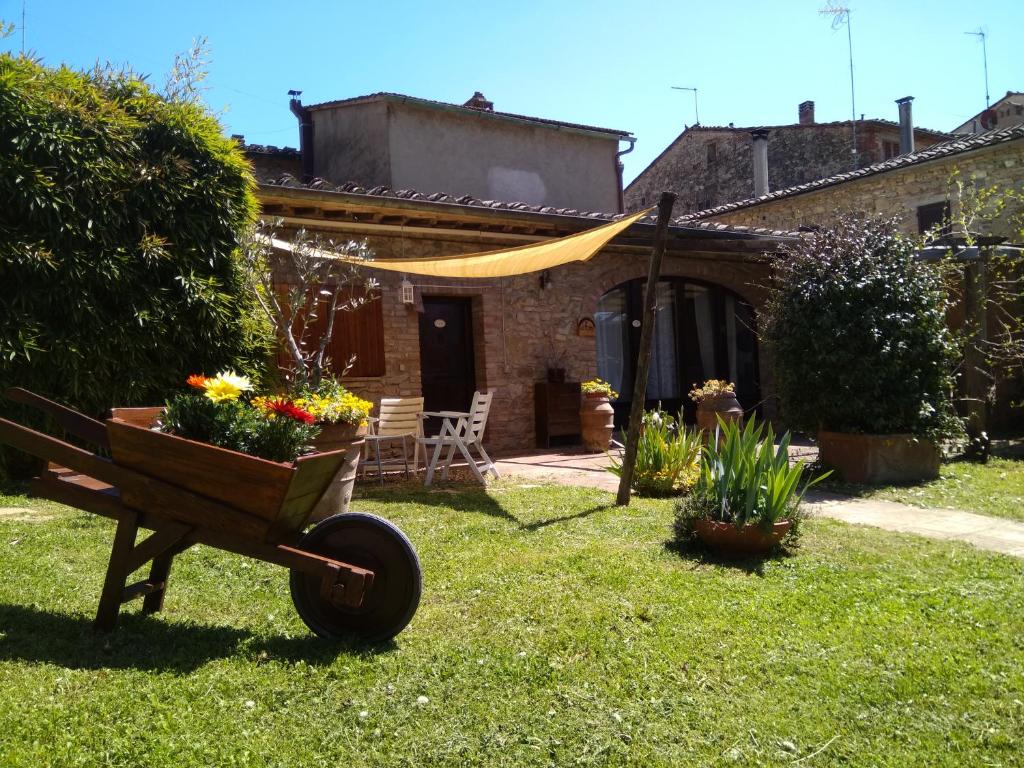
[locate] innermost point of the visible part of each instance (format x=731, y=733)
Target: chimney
x=806, y=112
x=906, y=125
x=759, y=138
x=305, y=135
x=479, y=101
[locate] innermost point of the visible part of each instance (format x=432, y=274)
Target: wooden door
x=446, y=356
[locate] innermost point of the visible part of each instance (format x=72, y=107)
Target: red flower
x=197, y=380
x=290, y=409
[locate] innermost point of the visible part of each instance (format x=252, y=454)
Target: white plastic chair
x=461, y=432
x=399, y=420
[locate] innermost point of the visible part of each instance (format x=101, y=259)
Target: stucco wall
x=351, y=144
x=406, y=146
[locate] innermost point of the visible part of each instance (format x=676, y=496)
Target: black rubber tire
x=373, y=543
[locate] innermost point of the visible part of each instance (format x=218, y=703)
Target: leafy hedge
x=858, y=333
x=121, y=218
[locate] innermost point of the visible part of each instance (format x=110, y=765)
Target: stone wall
x=707, y=167
x=894, y=193
x=516, y=322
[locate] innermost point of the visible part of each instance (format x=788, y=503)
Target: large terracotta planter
x=597, y=422
x=725, y=405
x=727, y=540
x=879, y=459
x=339, y=437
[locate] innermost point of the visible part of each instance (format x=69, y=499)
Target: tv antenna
x=696, y=115
x=984, y=57
x=840, y=16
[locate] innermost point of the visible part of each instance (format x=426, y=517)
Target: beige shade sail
x=507, y=262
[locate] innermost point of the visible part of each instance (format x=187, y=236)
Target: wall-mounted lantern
x=406, y=292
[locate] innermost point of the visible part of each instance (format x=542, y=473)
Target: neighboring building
x=402, y=142
x=270, y=162
x=709, y=166
x=1005, y=113
x=914, y=187
x=502, y=334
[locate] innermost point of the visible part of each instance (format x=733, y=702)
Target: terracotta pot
x=729, y=541
x=879, y=459
x=724, y=405
x=597, y=422
x=339, y=437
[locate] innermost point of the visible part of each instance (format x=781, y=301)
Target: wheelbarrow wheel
x=369, y=542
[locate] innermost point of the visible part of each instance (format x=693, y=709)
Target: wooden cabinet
x=557, y=411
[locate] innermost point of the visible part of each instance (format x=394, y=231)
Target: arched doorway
x=703, y=331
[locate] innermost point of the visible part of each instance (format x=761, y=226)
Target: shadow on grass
x=698, y=554
x=538, y=524
x=447, y=494
x=150, y=643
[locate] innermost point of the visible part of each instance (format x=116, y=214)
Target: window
x=712, y=152
x=890, y=149
x=932, y=215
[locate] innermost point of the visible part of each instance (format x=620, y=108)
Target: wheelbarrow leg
x=117, y=572
x=159, y=573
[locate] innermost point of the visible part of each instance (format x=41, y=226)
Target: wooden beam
x=636, y=410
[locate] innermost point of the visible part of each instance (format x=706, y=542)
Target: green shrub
x=123, y=212
x=666, y=456
x=858, y=335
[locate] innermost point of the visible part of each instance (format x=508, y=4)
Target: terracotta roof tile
x=469, y=201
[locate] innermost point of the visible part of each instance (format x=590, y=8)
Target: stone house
x=490, y=180
x=502, y=334
x=708, y=166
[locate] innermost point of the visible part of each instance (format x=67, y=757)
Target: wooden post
x=975, y=368
x=643, y=360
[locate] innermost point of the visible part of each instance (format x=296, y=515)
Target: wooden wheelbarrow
x=353, y=576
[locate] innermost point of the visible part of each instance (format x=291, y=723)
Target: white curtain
x=611, y=325
x=663, y=374
x=705, y=328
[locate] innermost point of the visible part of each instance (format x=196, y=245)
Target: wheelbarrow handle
x=73, y=422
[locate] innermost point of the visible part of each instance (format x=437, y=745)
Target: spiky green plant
x=666, y=456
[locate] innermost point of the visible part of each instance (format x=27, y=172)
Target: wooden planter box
x=879, y=459
x=276, y=499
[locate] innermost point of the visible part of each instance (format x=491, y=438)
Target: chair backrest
x=400, y=416
x=477, y=421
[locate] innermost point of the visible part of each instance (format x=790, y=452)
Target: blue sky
x=603, y=63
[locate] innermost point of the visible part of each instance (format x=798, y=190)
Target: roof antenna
x=840, y=16
x=984, y=56
x=696, y=115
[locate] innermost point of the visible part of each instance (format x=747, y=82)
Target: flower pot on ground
x=879, y=459
x=597, y=417
x=862, y=353
x=716, y=399
x=747, y=495
x=342, y=418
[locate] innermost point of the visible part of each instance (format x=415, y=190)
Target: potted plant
x=597, y=417
x=747, y=495
x=220, y=410
x=667, y=456
x=715, y=398
x=862, y=354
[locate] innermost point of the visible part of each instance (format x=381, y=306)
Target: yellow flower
x=225, y=386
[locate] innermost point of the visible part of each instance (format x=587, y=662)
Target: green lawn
x=996, y=488
x=554, y=630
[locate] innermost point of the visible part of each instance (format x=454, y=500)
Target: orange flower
x=197, y=380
